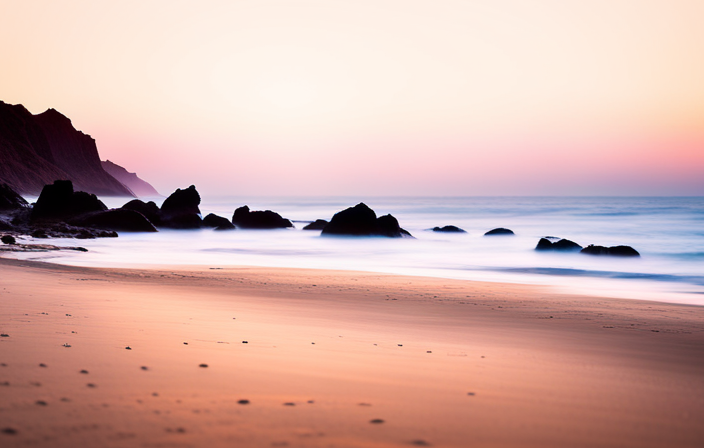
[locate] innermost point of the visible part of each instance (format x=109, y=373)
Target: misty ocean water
x=667, y=231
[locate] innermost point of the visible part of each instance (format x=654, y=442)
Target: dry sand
x=433, y=362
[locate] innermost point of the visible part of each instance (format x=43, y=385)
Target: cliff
x=138, y=186
x=36, y=150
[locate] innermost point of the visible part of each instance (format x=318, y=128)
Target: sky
x=380, y=97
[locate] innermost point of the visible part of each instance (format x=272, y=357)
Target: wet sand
x=337, y=359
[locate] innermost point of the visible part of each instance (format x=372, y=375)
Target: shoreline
x=544, y=368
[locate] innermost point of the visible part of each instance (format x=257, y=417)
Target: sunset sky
x=381, y=97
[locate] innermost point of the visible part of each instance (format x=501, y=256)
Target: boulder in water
x=561, y=245
x=180, y=210
x=361, y=220
x=614, y=251
x=149, y=209
x=182, y=202
x=266, y=219
x=449, y=229
x=217, y=222
x=499, y=231
x=318, y=224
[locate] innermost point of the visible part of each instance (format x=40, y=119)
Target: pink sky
x=547, y=97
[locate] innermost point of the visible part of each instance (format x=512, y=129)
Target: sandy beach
x=262, y=357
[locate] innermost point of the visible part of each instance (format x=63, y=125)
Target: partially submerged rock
x=562, y=245
x=180, y=210
x=217, y=222
x=448, y=229
x=182, y=202
x=266, y=219
x=499, y=231
x=318, y=224
x=361, y=220
x=614, y=251
x=149, y=209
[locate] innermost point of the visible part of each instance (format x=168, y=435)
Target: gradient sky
x=284, y=97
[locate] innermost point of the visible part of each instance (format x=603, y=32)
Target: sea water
x=667, y=231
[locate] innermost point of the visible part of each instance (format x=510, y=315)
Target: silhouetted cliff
x=138, y=186
x=36, y=150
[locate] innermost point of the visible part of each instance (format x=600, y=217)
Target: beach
x=259, y=356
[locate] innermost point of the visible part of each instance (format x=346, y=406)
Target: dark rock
x=4, y=225
x=217, y=222
x=388, y=226
x=149, y=209
x=8, y=239
x=10, y=199
x=182, y=202
x=266, y=219
x=561, y=245
x=183, y=222
x=361, y=220
x=449, y=229
x=318, y=224
x=614, y=251
x=499, y=231
x=58, y=201
x=121, y=220
x=180, y=210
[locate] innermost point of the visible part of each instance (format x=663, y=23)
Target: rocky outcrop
x=180, y=210
x=499, y=231
x=448, y=229
x=318, y=224
x=38, y=149
x=555, y=244
x=266, y=219
x=615, y=251
x=149, y=209
x=182, y=202
x=10, y=199
x=361, y=220
x=138, y=186
x=59, y=202
x=120, y=220
x=217, y=222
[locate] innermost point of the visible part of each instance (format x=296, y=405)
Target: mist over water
x=667, y=231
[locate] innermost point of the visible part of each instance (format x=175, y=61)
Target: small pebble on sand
x=4, y=335
x=289, y=404
x=245, y=342
x=90, y=385
x=128, y=348
x=9, y=431
x=41, y=403
x=185, y=343
x=144, y=368
x=203, y=365
x=42, y=365
x=85, y=372
x=376, y=421
x=243, y=402
x=471, y=394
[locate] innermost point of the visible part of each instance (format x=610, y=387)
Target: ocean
x=667, y=231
